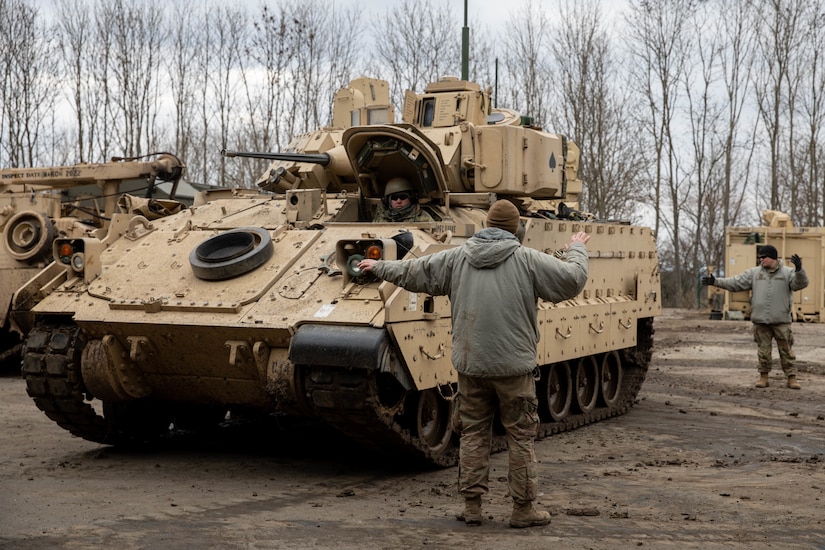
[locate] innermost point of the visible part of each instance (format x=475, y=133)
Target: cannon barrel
x=317, y=158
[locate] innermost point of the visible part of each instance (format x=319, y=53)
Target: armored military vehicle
x=254, y=303
x=39, y=204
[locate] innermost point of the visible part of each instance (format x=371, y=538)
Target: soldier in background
x=772, y=286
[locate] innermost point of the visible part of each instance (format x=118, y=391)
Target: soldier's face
x=399, y=200
x=767, y=262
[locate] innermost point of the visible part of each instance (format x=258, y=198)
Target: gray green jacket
x=494, y=284
x=771, y=291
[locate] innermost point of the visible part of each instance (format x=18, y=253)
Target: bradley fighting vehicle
x=254, y=302
x=39, y=204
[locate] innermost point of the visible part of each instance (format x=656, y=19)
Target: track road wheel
x=557, y=392
x=587, y=384
x=611, y=379
x=433, y=421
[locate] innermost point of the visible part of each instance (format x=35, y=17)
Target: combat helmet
x=397, y=185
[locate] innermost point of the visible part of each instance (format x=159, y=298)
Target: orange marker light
x=65, y=250
x=375, y=252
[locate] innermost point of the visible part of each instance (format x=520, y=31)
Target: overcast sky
x=488, y=12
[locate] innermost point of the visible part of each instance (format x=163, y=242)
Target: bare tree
x=199, y=166
x=594, y=111
x=527, y=87
x=660, y=41
x=292, y=63
x=29, y=73
x=98, y=96
x=797, y=69
x=226, y=28
x=689, y=94
x=304, y=74
x=483, y=62
x=139, y=34
x=418, y=43
x=184, y=46
x=343, y=47
x=267, y=54
x=810, y=204
x=734, y=26
x=781, y=36
x=715, y=91
x=705, y=112
x=74, y=24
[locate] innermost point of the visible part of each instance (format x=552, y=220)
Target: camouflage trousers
x=763, y=334
x=515, y=399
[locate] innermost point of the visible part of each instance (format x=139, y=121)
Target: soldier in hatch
x=400, y=203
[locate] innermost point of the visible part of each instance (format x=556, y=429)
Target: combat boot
x=524, y=515
x=763, y=380
x=792, y=383
x=472, y=511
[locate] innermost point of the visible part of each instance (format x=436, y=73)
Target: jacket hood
x=490, y=247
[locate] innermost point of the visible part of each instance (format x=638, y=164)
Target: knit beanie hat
x=504, y=215
x=769, y=251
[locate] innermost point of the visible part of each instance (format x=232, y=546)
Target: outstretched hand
x=580, y=237
x=796, y=261
x=709, y=280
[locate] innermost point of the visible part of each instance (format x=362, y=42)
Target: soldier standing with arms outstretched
x=494, y=285
x=772, y=286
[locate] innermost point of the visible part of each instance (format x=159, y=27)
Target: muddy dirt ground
x=704, y=460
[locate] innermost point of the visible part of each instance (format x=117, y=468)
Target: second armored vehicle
x=39, y=204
